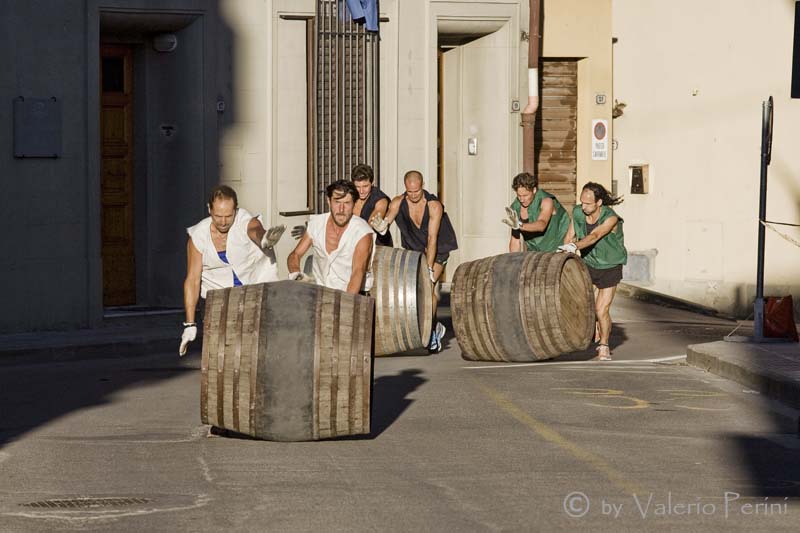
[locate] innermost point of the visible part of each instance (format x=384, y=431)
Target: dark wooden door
x=116, y=138
x=556, y=130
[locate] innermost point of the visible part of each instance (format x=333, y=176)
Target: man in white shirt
x=342, y=244
x=227, y=249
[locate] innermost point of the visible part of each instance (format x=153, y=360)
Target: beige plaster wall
x=693, y=76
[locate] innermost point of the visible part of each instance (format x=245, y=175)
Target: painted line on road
x=544, y=431
x=593, y=363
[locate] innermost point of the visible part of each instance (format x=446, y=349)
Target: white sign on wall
x=599, y=140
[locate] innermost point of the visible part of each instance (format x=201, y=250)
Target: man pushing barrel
x=424, y=227
x=228, y=248
x=596, y=230
x=342, y=244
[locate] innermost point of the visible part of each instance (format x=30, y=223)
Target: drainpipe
x=529, y=113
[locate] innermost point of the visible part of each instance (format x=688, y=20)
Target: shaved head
x=412, y=175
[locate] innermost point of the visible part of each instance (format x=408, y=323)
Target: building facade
x=693, y=84
x=152, y=103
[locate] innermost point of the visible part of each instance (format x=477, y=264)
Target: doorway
x=116, y=176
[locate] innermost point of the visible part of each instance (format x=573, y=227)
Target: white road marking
x=593, y=363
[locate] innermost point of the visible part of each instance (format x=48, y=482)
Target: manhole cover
x=85, y=503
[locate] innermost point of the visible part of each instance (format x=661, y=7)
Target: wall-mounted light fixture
x=165, y=42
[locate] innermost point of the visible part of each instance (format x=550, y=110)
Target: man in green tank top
x=596, y=230
x=536, y=217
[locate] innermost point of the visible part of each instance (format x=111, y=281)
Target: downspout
x=529, y=112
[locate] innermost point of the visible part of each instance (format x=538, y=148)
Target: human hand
x=272, y=236
x=300, y=276
x=189, y=334
x=379, y=224
x=570, y=247
x=512, y=219
x=299, y=231
x=431, y=275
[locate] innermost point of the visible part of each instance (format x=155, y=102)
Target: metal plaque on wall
x=37, y=127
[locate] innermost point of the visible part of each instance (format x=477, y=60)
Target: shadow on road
x=774, y=468
x=33, y=395
x=390, y=397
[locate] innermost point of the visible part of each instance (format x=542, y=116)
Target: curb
x=772, y=385
x=653, y=297
x=57, y=353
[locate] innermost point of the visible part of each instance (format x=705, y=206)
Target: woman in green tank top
x=596, y=230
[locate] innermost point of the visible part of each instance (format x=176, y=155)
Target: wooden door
x=556, y=130
x=116, y=138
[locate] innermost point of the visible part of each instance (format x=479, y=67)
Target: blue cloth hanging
x=364, y=11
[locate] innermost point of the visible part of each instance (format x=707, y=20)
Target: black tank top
x=375, y=195
x=414, y=238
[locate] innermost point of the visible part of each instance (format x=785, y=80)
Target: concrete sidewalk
x=772, y=369
x=119, y=336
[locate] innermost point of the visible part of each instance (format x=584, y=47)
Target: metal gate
x=346, y=110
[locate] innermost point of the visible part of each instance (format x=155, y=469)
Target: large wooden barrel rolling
x=403, y=300
x=287, y=361
x=524, y=306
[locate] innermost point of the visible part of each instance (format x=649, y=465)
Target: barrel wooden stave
x=540, y=306
x=403, y=300
x=263, y=377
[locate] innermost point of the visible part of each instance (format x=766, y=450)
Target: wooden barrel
x=287, y=361
x=403, y=300
x=522, y=306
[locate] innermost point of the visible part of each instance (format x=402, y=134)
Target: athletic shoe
x=440, y=331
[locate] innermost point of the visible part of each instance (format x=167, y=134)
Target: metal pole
x=766, y=154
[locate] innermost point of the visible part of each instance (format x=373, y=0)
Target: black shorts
x=442, y=258
x=604, y=278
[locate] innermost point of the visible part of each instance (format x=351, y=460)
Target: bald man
x=424, y=227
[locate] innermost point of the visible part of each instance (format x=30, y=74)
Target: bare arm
x=435, y=212
x=255, y=231
x=597, y=233
x=393, y=210
x=361, y=257
x=293, y=261
x=570, y=236
x=191, y=286
x=545, y=213
x=381, y=207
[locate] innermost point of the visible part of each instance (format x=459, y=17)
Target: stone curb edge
x=772, y=385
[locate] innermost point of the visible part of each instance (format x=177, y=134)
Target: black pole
x=766, y=154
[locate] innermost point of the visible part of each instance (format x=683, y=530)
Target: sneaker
x=440, y=331
x=434, y=346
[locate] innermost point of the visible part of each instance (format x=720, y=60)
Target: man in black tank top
x=371, y=200
x=424, y=227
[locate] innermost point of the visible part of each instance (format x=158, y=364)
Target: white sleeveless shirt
x=245, y=258
x=334, y=270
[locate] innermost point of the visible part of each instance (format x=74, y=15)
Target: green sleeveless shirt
x=557, y=228
x=609, y=251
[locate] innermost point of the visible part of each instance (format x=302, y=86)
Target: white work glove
x=189, y=334
x=299, y=231
x=379, y=224
x=272, y=236
x=300, y=276
x=512, y=220
x=431, y=275
x=570, y=247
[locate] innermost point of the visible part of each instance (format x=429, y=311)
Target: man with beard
x=424, y=227
x=342, y=244
x=596, y=230
x=371, y=201
x=537, y=220
x=227, y=249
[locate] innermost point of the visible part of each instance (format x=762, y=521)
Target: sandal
x=603, y=353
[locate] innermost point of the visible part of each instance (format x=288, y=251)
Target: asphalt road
x=643, y=442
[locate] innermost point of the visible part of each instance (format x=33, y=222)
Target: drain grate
x=85, y=503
